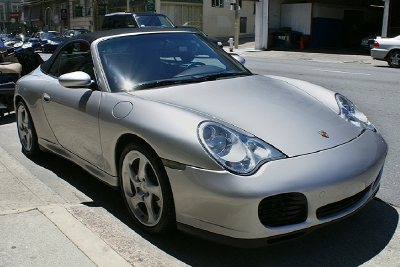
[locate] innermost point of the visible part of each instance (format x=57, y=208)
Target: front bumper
x=229, y=205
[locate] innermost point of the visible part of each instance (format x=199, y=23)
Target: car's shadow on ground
x=349, y=242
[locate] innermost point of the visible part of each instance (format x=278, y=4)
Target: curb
x=89, y=243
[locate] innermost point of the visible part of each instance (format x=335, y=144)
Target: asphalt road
x=368, y=238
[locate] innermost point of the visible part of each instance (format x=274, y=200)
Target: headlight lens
x=350, y=113
x=237, y=152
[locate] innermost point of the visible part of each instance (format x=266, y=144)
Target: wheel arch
x=391, y=51
x=17, y=99
x=123, y=141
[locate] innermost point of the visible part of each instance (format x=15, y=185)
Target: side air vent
x=283, y=209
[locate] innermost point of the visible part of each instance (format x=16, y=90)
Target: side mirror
x=238, y=58
x=77, y=79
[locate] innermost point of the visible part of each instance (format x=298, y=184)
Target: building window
x=217, y=3
x=56, y=11
x=87, y=7
x=2, y=12
x=77, y=9
x=243, y=24
x=15, y=8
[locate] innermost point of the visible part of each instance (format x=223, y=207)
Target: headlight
x=219, y=43
x=51, y=42
x=235, y=151
x=350, y=113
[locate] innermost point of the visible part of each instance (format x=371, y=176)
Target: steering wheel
x=195, y=64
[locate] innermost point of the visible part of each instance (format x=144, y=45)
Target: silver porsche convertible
x=197, y=142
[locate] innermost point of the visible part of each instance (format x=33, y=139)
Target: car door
x=72, y=113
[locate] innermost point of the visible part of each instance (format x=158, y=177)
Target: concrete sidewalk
x=38, y=228
x=333, y=55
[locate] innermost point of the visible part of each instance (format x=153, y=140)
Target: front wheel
x=146, y=189
x=394, y=59
x=26, y=131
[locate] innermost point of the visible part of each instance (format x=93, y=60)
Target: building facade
x=11, y=17
x=347, y=20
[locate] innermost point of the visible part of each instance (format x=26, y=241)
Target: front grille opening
x=341, y=205
x=283, y=209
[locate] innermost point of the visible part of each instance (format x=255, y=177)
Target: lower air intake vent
x=283, y=209
x=341, y=205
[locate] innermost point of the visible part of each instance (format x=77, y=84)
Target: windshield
x=153, y=60
x=152, y=21
x=48, y=35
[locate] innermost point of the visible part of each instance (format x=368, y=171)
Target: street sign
x=150, y=6
x=14, y=15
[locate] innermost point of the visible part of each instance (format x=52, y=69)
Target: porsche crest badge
x=323, y=134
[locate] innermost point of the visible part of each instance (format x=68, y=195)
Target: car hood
x=274, y=110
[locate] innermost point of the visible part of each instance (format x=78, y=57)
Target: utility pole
x=385, y=18
x=237, y=22
x=261, y=25
x=127, y=6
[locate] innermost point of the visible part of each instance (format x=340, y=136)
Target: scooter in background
x=13, y=65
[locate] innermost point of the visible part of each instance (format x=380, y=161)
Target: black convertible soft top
x=92, y=36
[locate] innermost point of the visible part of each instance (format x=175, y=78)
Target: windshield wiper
x=214, y=76
x=153, y=84
x=192, y=79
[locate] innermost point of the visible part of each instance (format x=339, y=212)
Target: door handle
x=46, y=97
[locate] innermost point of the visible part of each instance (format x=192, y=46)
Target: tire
x=146, y=189
x=26, y=131
x=394, y=59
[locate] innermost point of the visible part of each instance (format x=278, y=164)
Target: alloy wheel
x=24, y=128
x=141, y=188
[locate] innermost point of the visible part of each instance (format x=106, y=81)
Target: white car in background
x=387, y=49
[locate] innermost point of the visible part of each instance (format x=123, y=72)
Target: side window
x=131, y=22
x=73, y=57
x=108, y=23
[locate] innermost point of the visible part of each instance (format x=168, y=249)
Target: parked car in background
x=367, y=43
x=387, y=49
x=51, y=44
x=37, y=40
x=136, y=20
x=197, y=30
x=4, y=36
x=197, y=142
x=74, y=32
